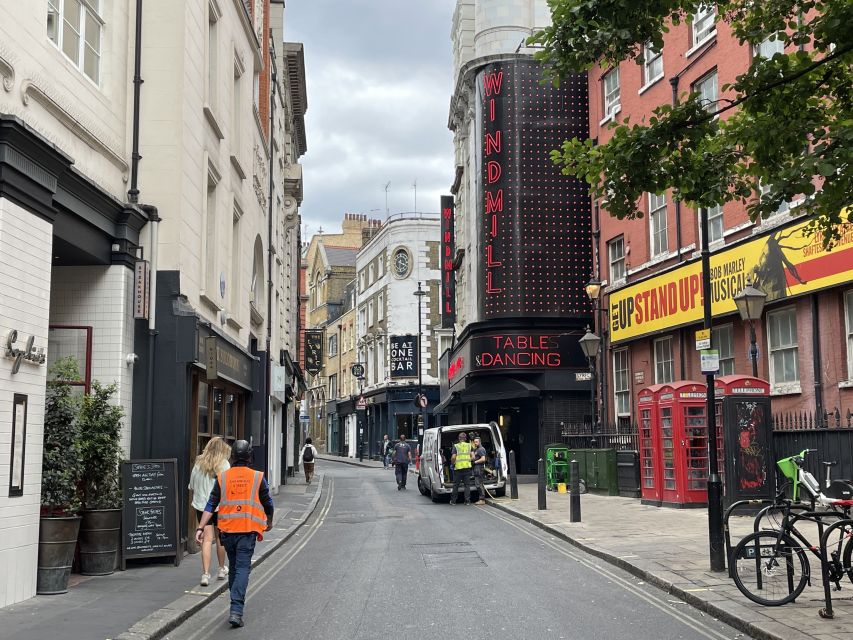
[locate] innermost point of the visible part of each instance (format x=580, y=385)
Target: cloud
x=379, y=79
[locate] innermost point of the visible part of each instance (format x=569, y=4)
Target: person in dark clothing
x=479, y=462
x=402, y=460
x=245, y=513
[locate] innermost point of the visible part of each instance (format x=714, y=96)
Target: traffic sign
x=361, y=404
x=421, y=401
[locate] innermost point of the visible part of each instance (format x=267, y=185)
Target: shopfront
x=392, y=411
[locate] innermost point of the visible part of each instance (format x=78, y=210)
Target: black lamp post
x=750, y=304
x=590, y=344
x=593, y=291
x=420, y=293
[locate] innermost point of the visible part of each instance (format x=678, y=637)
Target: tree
x=61, y=468
x=786, y=130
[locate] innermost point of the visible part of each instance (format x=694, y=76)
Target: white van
x=434, y=475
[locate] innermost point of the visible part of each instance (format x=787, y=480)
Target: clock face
x=401, y=263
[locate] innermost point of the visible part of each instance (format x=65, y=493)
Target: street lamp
x=590, y=344
x=420, y=293
x=750, y=305
x=593, y=291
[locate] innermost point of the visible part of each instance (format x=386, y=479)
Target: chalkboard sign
x=150, y=509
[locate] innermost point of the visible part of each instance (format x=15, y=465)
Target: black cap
x=241, y=451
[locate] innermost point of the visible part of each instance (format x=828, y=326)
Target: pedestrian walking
x=402, y=460
x=245, y=513
x=212, y=461
x=461, y=460
x=479, y=462
x=308, y=456
x=385, y=450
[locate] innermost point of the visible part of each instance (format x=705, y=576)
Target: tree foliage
x=100, y=429
x=61, y=468
x=786, y=125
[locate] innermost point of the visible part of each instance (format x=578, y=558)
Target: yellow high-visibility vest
x=463, y=456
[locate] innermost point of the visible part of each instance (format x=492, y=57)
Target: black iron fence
x=808, y=420
x=829, y=433
x=620, y=436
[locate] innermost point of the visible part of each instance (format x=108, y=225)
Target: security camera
x=131, y=359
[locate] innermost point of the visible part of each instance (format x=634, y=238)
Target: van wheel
x=421, y=487
x=433, y=495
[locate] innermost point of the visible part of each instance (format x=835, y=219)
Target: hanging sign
x=141, y=286
x=313, y=352
x=448, y=275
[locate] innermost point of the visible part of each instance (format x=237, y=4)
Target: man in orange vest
x=245, y=513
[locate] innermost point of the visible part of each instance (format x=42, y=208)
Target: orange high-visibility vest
x=240, y=510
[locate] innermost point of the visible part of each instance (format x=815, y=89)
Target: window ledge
x=257, y=316
x=649, y=85
x=231, y=322
x=210, y=302
x=610, y=117
x=785, y=389
x=235, y=162
x=845, y=384
x=213, y=122
x=701, y=43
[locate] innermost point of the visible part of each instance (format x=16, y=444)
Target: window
x=616, y=257
x=75, y=27
x=370, y=313
x=769, y=47
x=236, y=108
x=362, y=320
x=706, y=87
x=361, y=281
x=784, y=205
x=664, y=370
x=209, y=266
x=212, y=52
x=371, y=276
x=715, y=223
x=380, y=307
x=782, y=336
x=652, y=64
x=611, y=93
x=402, y=263
x=722, y=339
x=621, y=383
x=703, y=24
x=333, y=385
x=333, y=345
x=235, y=257
x=657, y=224
x=848, y=313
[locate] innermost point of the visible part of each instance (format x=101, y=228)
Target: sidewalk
x=147, y=600
x=669, y=548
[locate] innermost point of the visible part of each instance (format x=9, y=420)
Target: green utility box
x=556, y=466
x=598, y=469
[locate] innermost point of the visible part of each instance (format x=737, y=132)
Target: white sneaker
x=223, y=573
x=205, y=579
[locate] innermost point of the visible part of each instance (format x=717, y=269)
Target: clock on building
x=401, y=263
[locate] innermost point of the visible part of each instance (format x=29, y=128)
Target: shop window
x=230, y=415
x=664, y=368
x=74, y=341
x=616, y=258
x=203, y=421
x=848, y=313
x=75, y=27
x=621, y=383
x=722, y=339
x=218, y=401
x=782, y=338
x=652, y=64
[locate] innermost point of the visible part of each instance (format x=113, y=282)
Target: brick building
x=650, y=269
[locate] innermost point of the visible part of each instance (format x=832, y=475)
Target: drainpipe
x=673, y=81
x=270, y=254
x=153, y=222
x=133, y=193
x=816, y=358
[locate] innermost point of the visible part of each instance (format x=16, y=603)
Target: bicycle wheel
x=847, y=557
x=768, y=569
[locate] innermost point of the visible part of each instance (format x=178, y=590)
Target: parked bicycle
x=770, y=566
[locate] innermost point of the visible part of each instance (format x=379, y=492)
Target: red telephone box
x=683, y=448
x=649, y=436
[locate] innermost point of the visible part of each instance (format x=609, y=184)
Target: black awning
x=494, y=388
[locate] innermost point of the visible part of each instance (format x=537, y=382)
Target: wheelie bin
x=556, y=466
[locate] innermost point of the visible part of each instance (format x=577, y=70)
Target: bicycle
x=770, y=566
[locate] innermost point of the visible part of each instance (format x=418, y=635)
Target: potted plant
x=61, y=473
x=100, y=435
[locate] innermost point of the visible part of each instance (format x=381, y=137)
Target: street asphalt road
x=374, y=562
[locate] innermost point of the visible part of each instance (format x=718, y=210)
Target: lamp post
x=593, y=291
x=420, y=293
x=590, y=344
x=750, y=305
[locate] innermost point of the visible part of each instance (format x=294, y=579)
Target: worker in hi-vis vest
x=245, y=512
x=461, y=461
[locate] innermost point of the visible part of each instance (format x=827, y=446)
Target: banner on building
x=404, y=356
x=313, y=351
x=783, y=264
x=534, y=222
x=448, y=275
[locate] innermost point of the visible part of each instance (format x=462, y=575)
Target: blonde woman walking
x=213, y=460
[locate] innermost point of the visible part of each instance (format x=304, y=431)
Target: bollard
x=542, y=501
x=513, y=480
x=575, y=498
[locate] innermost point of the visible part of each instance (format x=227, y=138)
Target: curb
x=666, y=586
x=350, y=461
x=157, y=624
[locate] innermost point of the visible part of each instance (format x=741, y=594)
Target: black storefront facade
x=519, y=363
x=392, y=410
x=203, y=385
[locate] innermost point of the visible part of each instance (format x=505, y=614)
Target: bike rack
x=727, y=534
x=826, y=612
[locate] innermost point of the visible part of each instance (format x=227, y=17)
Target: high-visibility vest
x=463, y=456
x=240, y=510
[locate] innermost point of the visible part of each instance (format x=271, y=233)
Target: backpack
x=308, y=454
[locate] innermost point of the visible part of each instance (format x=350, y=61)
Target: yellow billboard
x=783, y=264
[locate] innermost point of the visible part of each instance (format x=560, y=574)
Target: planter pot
x=57, y=540
x=100, y=534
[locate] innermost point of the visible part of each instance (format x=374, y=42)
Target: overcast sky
x=379, y=80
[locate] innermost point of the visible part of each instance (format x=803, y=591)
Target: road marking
x=269, y=570
x=622, y=582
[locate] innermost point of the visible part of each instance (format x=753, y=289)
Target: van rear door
x=499, y=447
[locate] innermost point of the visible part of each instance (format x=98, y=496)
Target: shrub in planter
x=100, y=430
x=61, y=472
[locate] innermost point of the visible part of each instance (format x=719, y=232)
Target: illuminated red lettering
x=493, y=82
x=490, y=262
x=492, y=110
x=489, y=287
x=495, y=202
x=493, y=143
x=493, y=171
